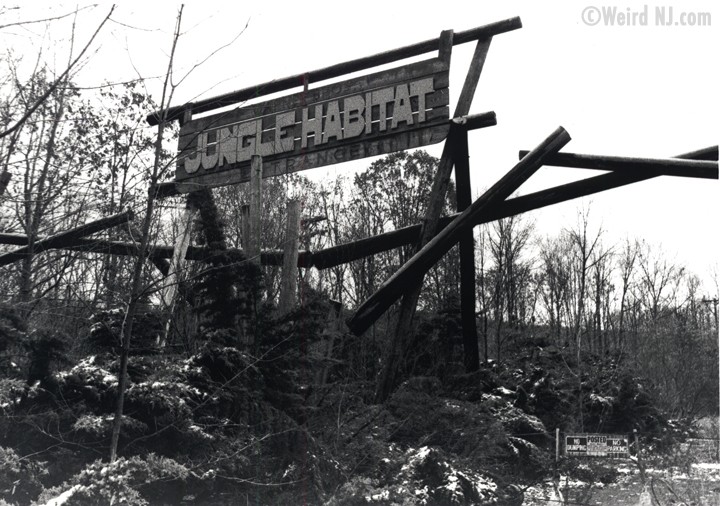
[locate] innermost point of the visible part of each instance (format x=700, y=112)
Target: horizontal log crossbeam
x=627, y=165
x=348, y=252
x=337, y=70
x=67, y=238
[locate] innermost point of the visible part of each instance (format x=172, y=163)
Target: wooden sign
x=392, y=110
x=596, y=445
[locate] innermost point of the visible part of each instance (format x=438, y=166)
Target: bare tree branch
x=56, y=83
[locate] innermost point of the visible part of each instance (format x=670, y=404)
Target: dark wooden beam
x=66, y=238
x=337, y=70
x=463, y=192
x=660, y=166
x=403, y=330
x=158, y=252
x=421, y=262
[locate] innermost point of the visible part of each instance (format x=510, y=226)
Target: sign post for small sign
x=597, y=445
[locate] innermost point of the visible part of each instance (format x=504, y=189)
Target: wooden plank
x=421, y=262
x=170, y=188
x=659, y=166
x=312, y=159
x=467, y=255
x=288, y=283
x=336, y=70
x=317, y=127
x=66, y=238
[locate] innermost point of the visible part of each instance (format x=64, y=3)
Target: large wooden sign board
x=380, y=113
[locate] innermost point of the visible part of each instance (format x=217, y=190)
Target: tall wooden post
x=409, y=302
x=467, y=254
x=288, y=283
x=255, y=221
x=245, y=223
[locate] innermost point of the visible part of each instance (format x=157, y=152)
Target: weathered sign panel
x=597, y=445
x=380, y=113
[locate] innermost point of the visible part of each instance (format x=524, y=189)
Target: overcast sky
x=641, y=89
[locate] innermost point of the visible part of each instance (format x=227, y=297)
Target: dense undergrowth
x=233, y=422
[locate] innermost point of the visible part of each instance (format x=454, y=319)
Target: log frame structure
x=435, y=235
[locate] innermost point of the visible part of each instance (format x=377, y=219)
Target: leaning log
x=421, y=262
x=66, y=238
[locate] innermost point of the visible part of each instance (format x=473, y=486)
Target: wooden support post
x=172, y=278
x=467, y=254
x=421, y=262
x=288, y=283
x=438, y=192
x=64, y=239
x=245, y=224
x=253, y=246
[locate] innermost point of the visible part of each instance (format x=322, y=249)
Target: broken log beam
x=66, y=238
x=659, y=166
x=421, y=262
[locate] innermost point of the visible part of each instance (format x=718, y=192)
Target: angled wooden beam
x=421, y=262
x=337, y=70
x=412, y=272
x=348, y=252
x=66, y=238
x=399, y=345
x=660, y=166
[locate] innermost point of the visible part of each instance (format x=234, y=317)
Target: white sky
x=648, y=91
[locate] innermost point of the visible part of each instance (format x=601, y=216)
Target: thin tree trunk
x=136, y=283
